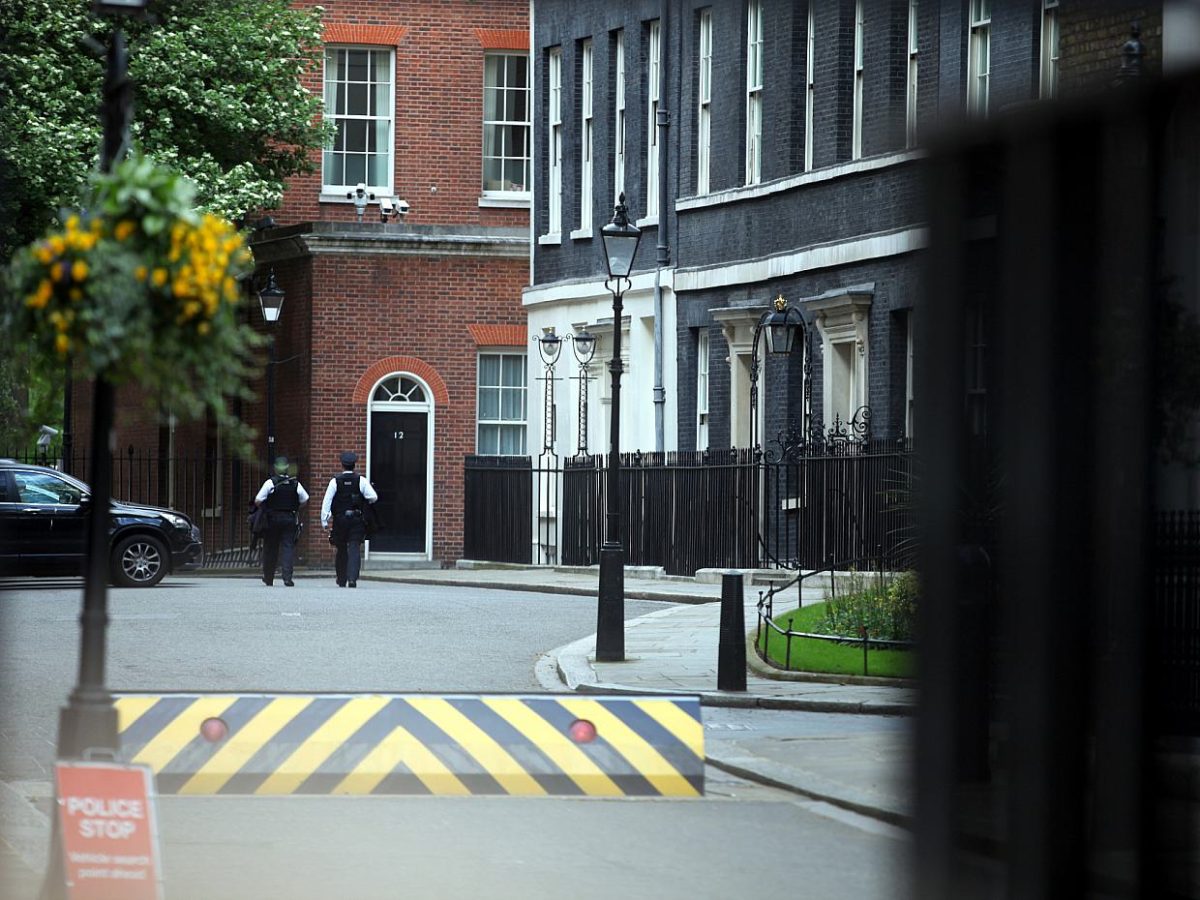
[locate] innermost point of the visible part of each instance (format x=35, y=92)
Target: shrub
x=888, y=611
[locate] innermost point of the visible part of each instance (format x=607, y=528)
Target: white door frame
x=427, y=407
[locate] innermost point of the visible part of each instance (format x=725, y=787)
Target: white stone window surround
x=585, y=142
x=554, y=143
x=857, y=111
x=704, y=104
x=737, y=326
x=754, y=91
x=653, y=93
x=842, y=319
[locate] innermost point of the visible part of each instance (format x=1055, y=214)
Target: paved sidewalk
x=674, y=650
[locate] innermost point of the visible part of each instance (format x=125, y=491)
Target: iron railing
x=1175, y=626
x=686, y=511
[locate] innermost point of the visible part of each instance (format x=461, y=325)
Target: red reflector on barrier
x=582, y=731
x=214, y=729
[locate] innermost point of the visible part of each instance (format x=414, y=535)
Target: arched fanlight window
x=399, y=389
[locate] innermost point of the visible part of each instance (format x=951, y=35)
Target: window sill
x=552, y=240
x=648, y=222
x=504, y=202
x=581, y=234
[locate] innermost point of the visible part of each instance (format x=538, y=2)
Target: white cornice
x=592, y=288
x=818, y=256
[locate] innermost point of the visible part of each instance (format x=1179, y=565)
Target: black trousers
x=279, y=546
x=349, y=531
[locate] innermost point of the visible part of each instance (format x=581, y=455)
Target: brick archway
x=418, y=367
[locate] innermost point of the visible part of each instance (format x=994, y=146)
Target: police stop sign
x=110, y=846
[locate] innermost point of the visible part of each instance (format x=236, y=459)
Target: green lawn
x=812, y=655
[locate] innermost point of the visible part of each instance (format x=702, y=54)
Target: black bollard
x=731, y=654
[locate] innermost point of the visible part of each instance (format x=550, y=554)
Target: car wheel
x=139, y=561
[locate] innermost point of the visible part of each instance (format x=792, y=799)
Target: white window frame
x=517, y=422
x=909, y=370
x=702, y=370
x=704, y=99
x=505, y=127
x=856, y=125
x=619, y=121
x=809, y=88
x=653, y=95
x=386, y=119
x=555, y=142
x=585, y=139
x=1048, y=69
x=979, y=57
x=754, y=85
x=910, y=87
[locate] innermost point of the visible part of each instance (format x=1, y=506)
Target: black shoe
x=267, y=583
x=289, y=582
x=352, y=584
x=341, y=584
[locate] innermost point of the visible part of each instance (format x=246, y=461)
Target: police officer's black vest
x=348, y=496
x=285, y=496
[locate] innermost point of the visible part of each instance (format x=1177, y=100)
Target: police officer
x=345, y=508
x=282, y=494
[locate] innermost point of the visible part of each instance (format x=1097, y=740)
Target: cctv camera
x=402, y=207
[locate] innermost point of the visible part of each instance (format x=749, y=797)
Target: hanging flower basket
x=139, y=287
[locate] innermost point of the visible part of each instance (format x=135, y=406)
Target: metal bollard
x=731, y=653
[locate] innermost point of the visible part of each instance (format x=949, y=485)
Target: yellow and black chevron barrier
x=526, y=745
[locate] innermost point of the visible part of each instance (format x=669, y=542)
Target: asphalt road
x=238, y=635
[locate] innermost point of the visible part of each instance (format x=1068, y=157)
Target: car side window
x=7, y=495
x=40, y=488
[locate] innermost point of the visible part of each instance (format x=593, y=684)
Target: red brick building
x=389, y=328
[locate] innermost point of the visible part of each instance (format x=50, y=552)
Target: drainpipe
x=663, y=124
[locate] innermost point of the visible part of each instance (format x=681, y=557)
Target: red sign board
x=110, y=843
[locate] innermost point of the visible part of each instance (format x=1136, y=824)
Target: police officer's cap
x=349, y=458
x=281, y=465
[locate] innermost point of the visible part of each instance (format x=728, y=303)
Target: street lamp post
x=583, y=344
x=270, y=300
x=89, y=720
x=620, y=247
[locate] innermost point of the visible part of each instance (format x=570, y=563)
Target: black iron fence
x=214, y=491
x=1176, y=620
x=691, y=510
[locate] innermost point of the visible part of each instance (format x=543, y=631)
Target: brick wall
x=438, y=106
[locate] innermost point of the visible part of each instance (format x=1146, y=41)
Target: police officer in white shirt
x=283, y=495
x=344, y=509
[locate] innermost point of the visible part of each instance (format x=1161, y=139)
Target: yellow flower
x=57, y=244
x=140, y=273
x=203, y=328
x=41, y=296
x=75, y=294
x=79, y=270
x=158, y=277
x=43, y=254
x=124, y=229
x=62, y=344
x=72, y=222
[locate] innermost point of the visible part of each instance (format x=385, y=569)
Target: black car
x=43, y=524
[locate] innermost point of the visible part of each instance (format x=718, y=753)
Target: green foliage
x=140, y=289
x=219, y=97
x=829, y=657
x=887, y=609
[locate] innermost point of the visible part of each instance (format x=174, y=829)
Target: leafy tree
x=219, y=97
